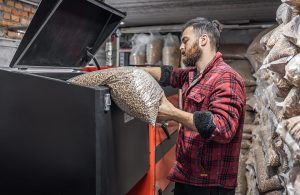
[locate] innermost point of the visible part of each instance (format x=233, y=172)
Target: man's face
x=189, y=48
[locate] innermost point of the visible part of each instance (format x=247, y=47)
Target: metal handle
x=165, y=129
x=107, y=102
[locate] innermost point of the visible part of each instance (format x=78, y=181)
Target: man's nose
x=181, y=46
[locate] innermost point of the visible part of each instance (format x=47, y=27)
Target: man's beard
x=192, y=55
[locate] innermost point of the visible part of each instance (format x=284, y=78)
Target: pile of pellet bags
x=273, y=162
x=155, y=49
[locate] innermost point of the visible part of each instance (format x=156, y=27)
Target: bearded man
x=214, y=99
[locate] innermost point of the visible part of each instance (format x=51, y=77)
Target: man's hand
x=166, y=110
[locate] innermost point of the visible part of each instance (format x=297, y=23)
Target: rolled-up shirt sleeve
x=165, y=75
x=226, y=108
x=204, y=123
x=174, y=77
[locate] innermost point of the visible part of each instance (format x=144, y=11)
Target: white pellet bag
x=135, y=91
x=284, y=13
x=292, y=71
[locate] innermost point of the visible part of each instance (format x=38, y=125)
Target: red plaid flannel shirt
x=213, y=161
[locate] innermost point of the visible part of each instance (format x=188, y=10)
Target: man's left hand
x=166, y=110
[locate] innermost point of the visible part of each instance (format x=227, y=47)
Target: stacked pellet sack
x=273, y=162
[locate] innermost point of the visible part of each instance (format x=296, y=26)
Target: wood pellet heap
x=273, y=163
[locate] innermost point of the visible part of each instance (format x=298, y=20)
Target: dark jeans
x=184, y=189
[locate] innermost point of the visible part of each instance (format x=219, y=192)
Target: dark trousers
x=184, y=189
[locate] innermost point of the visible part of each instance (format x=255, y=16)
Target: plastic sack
x=171, y=52
x=291, y=104
x=276, y=157
x=288, y=139
x=265, y=134
x=294, y=180
x=247, y=136
x=250, y=101
x=292, y=71
x=154, y=50
x=273, y=159
x=283, y=87
x=264, y=40
x=246, y=144
x=248, y=128
x=293, y=127
x=264, y=182
x=263, y=77
x=282, y=52
x=256, y=52
x=292, y=31
x=132, y=89
x=273, y=99
x=261, y=99
x=250, y=89
x=283, y=156
x=245, y=70
x=294, y=3
x=275, y=192
x=284, y=13
x=251, y=175
x=274, y=37
x=241, y=188
x=138, y=51
x=249, y=117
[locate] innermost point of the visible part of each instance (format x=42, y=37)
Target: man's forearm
x=154, y=71
x=185, y=118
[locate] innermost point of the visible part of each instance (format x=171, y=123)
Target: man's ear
x=203, y=40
